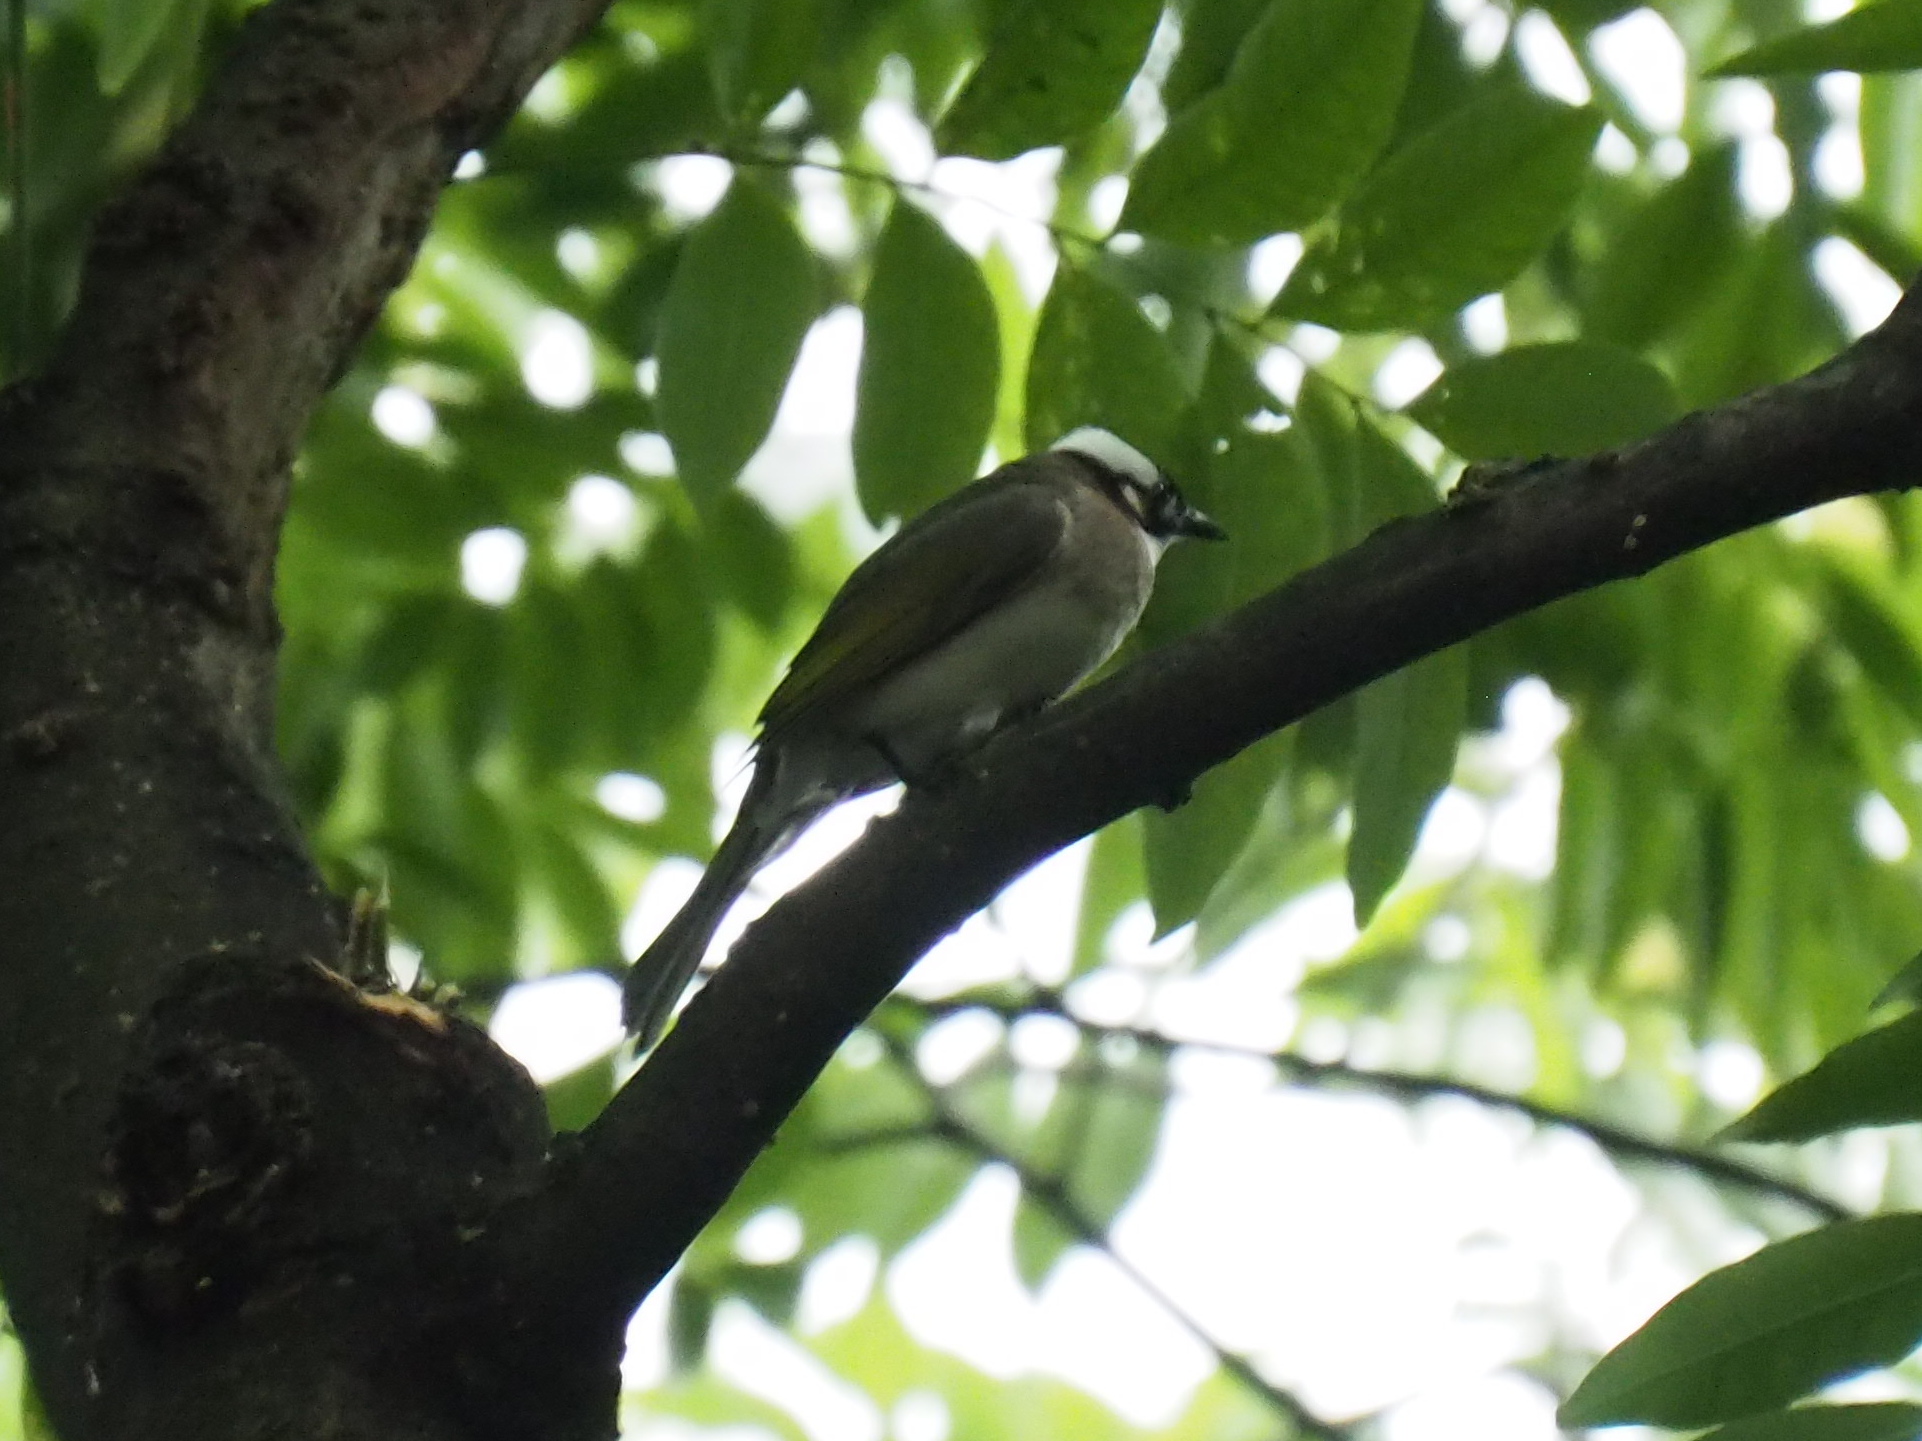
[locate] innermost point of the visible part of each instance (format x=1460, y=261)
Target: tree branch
x=667, y=1150
x=1052, y=1196
x=150, y=854
x=1617, y=1141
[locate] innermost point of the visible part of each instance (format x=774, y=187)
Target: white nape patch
x=1112, y=451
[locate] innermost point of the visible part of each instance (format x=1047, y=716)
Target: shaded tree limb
x=1410, y=1086
x=195, y=1115
x=1048, y=1192
x=671, y=1145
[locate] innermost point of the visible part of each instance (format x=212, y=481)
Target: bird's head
x=1139, y=486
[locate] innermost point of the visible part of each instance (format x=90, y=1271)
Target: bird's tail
x=656, y=981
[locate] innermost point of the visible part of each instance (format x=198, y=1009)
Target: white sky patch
x=1838, y=156
x=490, y=564
x=558, y=1024
x=1495, y=1045
x=1282, y=371
x=646, y=452
x=1644, y=60
x=667, y=886
x=557, y=362
x=580, y=254
x=982, y=203
x=1742, y=109
x=1105, y=200
x=1409, y=369
x=1860, y=288
x=748, y=1353
x=1604, y=1047
x=956, y=1044
x=1614, y=151
x=1315, y=344
x=1270, y=263
x=1731, y=1074
x=904, y=144
x=826, y=217
x=635, y=798
x=1548, y=62
x=1820, y=12
x=404, y=416
x=836, y=1284
x=1484, y=36
x=1763, y=178
x=806, y=459
x=1881, y=830
x=769, y=1237
x=1522, y=827
x=920, y=1416
x=1485, y=323
x=1499, y=1407
x=471, y=166
x=1839, y=170
x=1451, y=836
x=603, y=516
x=791, y=112
x=647, y=375
x=1669, y=157
x=690, y=186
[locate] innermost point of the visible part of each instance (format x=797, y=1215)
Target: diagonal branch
x=671, y=1145
x=1409, y=1086
x=1052, y=1196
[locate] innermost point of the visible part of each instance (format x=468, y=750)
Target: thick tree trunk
x=240, y=1198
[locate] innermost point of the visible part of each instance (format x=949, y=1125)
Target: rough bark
x=213, y=1222
x=238, y=1197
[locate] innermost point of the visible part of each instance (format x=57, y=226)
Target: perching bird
x=980, y=611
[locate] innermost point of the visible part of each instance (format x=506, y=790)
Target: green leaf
x=1054, y=69
x=1904, y=985
x=754, y=558
x=1873, y=1080
x=1887, y=36
x=577, y=1098
x=1191, y=847
x=930, y=368
x=1454, y=214
x=690, y=1314
x=1116, y=878
x=1669, y=256
x=1565, y=399
x=1407, y=726
x=1326, y=74
x=1866, y=618
x=1039, y=1241
x=1118, y=1138
x=1098, y=361
x=1212, y=32
x=1753, y=1336
x=741, y=302
x=1880, y=1421
x=128, y=30
x=758, y=50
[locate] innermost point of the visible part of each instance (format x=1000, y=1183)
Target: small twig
x=1617, y=1141
x=1052, y=1196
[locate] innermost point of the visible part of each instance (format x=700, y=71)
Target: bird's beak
x=1192, y=522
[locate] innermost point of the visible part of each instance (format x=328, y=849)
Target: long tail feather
x=771, y=816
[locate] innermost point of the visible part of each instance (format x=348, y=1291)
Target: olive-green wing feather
x=950, y=564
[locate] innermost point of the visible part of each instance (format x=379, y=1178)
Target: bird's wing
x=948, y=566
